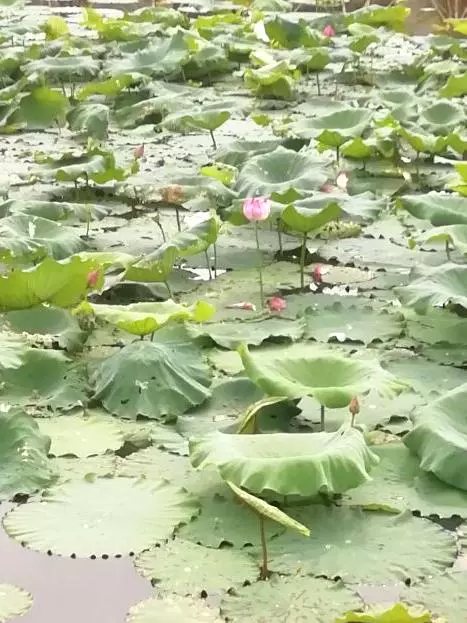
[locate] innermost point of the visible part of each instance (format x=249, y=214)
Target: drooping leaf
x=275, y=80
x=438, y=208
x=305, y=221
x=287, y=464
x=42, y=108
x=198, y=238
x=156, y=266
x=86, y=517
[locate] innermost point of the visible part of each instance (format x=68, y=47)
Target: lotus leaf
x=399, y=613
x=90, y=119
x=443, y=595
x=64, y=68
x=42, y=108
x=291, y=34
x=335, y=128
x=276, y=80
x=156, y=266
x=455, y=235
x=456, y=86
x=172, y=609
x=287, y=464
x=438, y=208
x=14, y=602
x=304, y=220
x=239, y=151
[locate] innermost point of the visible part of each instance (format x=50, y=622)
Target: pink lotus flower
x=92, y=278
x=256, y=208
x=242, y=305
x=276, y=304
x=328, y=188
x=354, y=409
x=317, y=274
x=138, y=152
x=328, y=31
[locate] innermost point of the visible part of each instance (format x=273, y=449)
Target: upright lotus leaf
x=208, y=117
x=144, y=318
x=362, y=37
x=389, y=16
x=62, y=284
x=61, y=69
x=283, y=174
x=276, y=80
x=155, y=267
x=198, y=238
x=453, y=235
x=442, y=117
x=456, y=86
x=24, y=467
x=109, y=88
x=438, y=208
x=90, y=119
x=439, y=437
x=42, y=108
x=55, y=27
x=97, y=516
x=151, y=110
x=330, y=378
x=14, y=601
x=314, y=59
x=304, y=464
x=438, y=287
x=304, y=221
x=155, y=379
x=422, y=140
x=335, y=128
x=30, y=238
x=291, y=33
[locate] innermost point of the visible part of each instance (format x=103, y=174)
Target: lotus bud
x=138, y=152
x=354, y=409
x=276, y=304
x=317, y=274
x=328, y=31
x=92, y=278
x=256, y=208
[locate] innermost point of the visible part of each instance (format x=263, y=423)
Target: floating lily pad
x=14, y=602
x=444, y=595
x=172, y=609
x=438, y=287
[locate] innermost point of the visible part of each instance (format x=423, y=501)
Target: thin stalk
x=159, y=224
x=208, y=264
x=260, y=265
x=169, y=289
x=448, y=250
x=213, y=139
x=264, y=574
x=177, y=216
x=215, y=259
x=322, y=417
x=417, y=166
x=318, y=85
x=302, y=261
x=352, y=420
x=338, y=155
x=279, y=237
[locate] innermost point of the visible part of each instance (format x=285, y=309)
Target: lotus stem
x=88, y=222
x=214, y=247
x=338, y=155
x=302, y=261
x=208, y=264
x=417, y=166
x=323, y=415
x=213, y=139
x=279, y=237
x=264, y=574
x=352, y=420
x=318, y=85
x=177, y=216
x=448, y=250
x=169, y=289
x=260, y=266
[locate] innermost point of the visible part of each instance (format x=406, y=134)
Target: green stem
x=169, y=289
x=318, y=86
x=177, y=216
x=279, y=237
x=213, y=139
x=215, y=259
x=260, y=265
x=264, y=574
x=338, y=155
x=208, y=264
x=322, y=414
x=302, y=261
x=448, y=251
x=352, y=420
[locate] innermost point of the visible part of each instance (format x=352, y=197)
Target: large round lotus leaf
x=47, y=378
x=354, y=324
x=24, y=467
x=438, y=287
x=454, y=235
x=397, y=484
x=81, y=436
x=239, y=151
x=304, y=220
x=154, y=379
x=153, y=463
x=303, y=464
x=185, y=568
x=101, y=516
x=73, y=468
x=144, y=318
x=438, y=208
x=51, y=323
x=172, y=609
x=282, y=174
x=332, y=379
x=443, y=595
x=399, y=613
x=344, y=124
x=14, y=602
x=294, y=600
x=441, y=116
x=388, y=548
x=437, y=326
x=439, y=437
x=364, y=206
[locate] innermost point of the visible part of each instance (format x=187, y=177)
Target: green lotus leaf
x=12, y=350
x=442, y=594
x=81, y=436
x=275, y=80
x=331, y=379
x=436, y=287
x=438, y=208
x=422, y=141
x=208, y=117
x=198, y=238
x=42, y=108
x=390, y=16
x=55, y=210
x=283, y=174
x=172, y=609
x=456, y=86
x=442, y=68
x=314, y=600
x=439, y=437
x=24, y=237
x=363, y=206
x=334, y=128
x=109, y=88
x=291, y=34
x=64, y=68
x=390, y=548
x=398, y=484
x=314, y=59
x=85, y=517
x=207, y=571
x=14, y=602
x=436, y=326
x=48, y=325
x=144, y=318
x=90, y=119
x=155, y=267
x=221, y=172
x=398, y=613
x=239, y=151
x=62, y=284
x=150, y=110
x=455, y=235
x=155, y=379
x=287, y=464
x=108, y=259
x=441, y=117
x=23, y=450
x=55, y=27
x=304, y=220
x=362, y=37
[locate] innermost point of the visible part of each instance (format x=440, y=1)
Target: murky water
x=70, y=591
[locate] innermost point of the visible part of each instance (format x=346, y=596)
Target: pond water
x=70, y=590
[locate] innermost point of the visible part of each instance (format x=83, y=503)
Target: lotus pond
x=234, y=313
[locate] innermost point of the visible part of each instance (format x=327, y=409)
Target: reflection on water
x=70, y=591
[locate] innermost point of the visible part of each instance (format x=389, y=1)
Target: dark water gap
x=67, y=590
